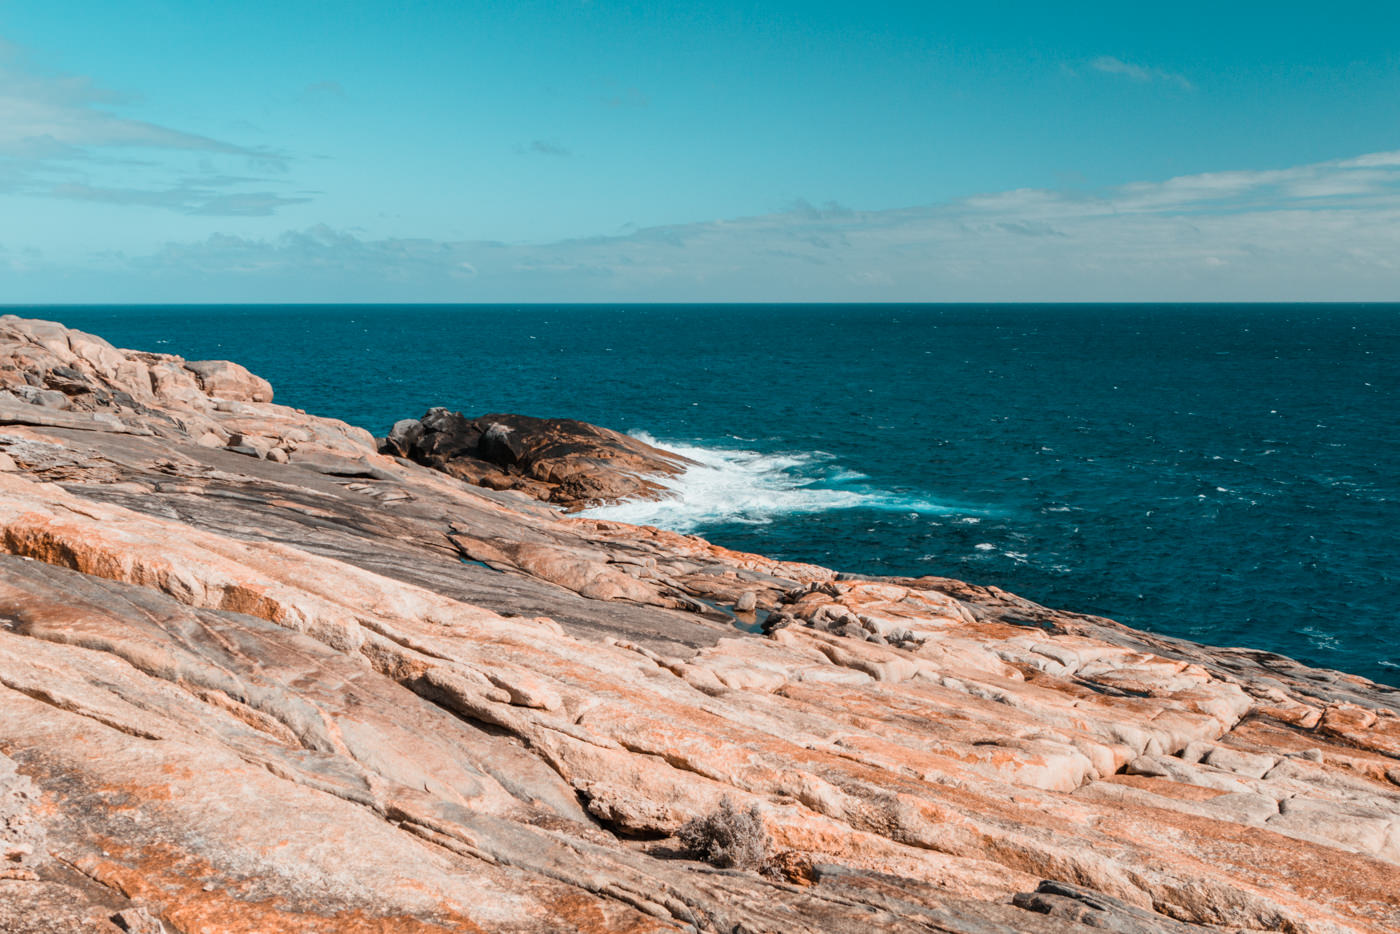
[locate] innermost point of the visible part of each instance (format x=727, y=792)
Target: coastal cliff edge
x=260, y=671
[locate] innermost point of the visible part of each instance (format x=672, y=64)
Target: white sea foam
x=731, y=485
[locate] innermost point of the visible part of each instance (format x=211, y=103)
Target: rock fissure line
x=45, y=696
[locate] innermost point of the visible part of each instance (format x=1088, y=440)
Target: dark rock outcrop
x=559, y=460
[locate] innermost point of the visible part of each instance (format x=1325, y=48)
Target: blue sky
x=599, y=151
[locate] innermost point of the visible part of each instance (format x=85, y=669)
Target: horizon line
x=7, y=306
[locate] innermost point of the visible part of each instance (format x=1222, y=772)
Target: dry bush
x=727, y=837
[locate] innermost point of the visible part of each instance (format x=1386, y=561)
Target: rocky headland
x=258, y=676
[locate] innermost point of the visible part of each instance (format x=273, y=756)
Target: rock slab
x=343, y=691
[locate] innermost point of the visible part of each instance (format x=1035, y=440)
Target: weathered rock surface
x=22, y=836
x=342, y=692
x=559, y=460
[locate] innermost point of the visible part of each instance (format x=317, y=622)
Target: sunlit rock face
x=257, y=676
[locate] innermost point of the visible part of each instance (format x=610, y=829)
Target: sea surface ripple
x=1226, y=473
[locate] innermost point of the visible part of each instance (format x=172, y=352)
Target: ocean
x=1225, y=473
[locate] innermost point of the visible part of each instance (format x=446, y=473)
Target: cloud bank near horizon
x=1324, y=231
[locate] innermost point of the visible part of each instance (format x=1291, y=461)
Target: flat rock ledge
x=256, y=676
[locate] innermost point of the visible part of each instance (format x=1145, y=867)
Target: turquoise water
x=1224, y=473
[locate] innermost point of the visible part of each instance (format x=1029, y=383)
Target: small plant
x=727, y=837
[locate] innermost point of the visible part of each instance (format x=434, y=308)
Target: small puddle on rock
x=745, y=622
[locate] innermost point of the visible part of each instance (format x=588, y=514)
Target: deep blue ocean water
x=1230, y=474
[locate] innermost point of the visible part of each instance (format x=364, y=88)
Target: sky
x=163, y=151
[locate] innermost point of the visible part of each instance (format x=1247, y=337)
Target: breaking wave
x=728, y=485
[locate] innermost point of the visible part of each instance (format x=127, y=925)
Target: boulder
x=223, y=379
x=250, y=445
x=403, y=436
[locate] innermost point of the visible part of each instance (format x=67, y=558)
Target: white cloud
x=1110, y=65
x=61, y=134
x=190, y=198
x=68, y=113
x=1325, y=231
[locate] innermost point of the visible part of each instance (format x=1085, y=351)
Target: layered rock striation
x=332, y=690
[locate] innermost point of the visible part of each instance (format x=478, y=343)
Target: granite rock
x=349, y=692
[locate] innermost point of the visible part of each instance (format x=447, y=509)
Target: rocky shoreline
x=260, y=671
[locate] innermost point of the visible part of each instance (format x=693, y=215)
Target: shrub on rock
x=727, y=837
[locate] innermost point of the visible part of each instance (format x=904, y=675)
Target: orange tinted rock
x=794, y=867
x=223, y=379
x=349, y=693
